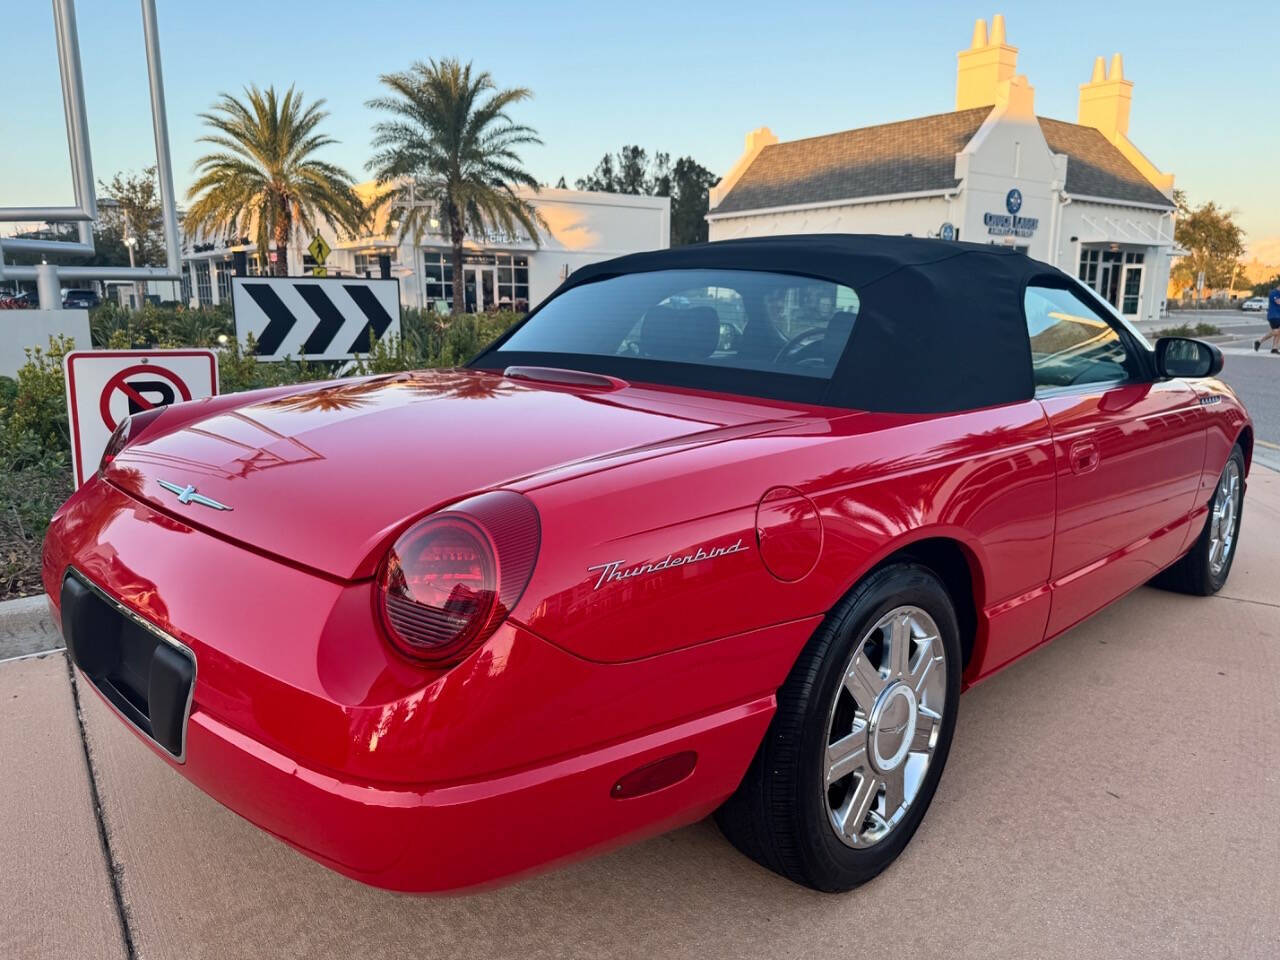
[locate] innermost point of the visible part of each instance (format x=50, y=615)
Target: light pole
x=138, y=294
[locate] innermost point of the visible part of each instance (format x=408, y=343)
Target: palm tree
x=451, y=144
x=264, y=180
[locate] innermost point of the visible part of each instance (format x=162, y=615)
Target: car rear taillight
x=127, y=430
x=450, y=580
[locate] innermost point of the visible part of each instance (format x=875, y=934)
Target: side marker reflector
x=655, y=776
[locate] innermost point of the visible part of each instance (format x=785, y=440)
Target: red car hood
x=322, y=477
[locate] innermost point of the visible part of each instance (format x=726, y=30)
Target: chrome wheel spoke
x=922, y=741
x=846, y=755
x=858, y=806
x=863, y=681
x=900, y=646
x=894, y=793
x=924, y=666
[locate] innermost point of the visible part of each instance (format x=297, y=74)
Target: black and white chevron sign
x=319, y=318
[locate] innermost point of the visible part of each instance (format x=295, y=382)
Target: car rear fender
x=955, y=558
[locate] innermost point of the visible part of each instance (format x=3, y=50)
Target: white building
x=1078, y=195
x=499, y=271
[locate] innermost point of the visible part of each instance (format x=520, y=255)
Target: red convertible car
x=726, y=528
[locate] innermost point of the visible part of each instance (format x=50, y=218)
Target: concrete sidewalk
x=1113, y=795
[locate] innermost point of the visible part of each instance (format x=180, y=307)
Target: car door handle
x=1083, y=456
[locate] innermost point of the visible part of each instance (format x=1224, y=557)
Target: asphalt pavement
x=1112, y=795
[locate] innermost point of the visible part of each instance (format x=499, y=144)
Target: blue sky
x=689, y=78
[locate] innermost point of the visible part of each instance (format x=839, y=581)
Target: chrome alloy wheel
x=1223, y=514
x=883, y=726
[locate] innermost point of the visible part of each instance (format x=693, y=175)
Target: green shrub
x=239, y=369
x=33, y=412
x=35, y=469
x=166, y=325
x=1186, y=330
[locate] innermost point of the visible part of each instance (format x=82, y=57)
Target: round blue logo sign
x=947, y=231
x=1013, y=200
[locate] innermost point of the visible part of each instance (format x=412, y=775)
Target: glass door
x=1109, y=277
x=1131, y=301
x=479, y=288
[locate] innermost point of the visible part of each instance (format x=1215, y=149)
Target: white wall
x=920, y=218
x=1009, y=152
x=21, y=329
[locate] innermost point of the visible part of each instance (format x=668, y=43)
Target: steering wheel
x=799, y=349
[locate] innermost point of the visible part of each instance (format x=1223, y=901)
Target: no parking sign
x=105, y=386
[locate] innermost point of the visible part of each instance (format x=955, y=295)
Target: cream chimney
x=1105, y=100
x=987, y=64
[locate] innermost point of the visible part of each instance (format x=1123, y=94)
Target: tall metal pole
x=64, y=21
x=160, y=122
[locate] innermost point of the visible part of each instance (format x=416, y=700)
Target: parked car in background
x=440, y=628
x=80, y=300
x=18, y=301
x=1254, y=303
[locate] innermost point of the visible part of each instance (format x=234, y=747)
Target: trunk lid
x=321, y=477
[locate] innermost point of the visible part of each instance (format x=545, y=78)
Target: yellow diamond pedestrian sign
x=319, y=250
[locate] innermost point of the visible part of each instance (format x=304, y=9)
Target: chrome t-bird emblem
x=188, y=494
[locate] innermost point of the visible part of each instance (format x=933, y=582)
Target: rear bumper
x=471, y=834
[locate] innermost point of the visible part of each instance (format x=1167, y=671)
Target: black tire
x=778, y=816
x=1194, y=573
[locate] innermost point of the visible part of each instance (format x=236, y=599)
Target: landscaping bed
x=35, y=463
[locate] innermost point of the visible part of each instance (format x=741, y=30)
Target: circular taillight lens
x=447, y=583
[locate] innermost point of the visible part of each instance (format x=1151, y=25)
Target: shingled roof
x=916, y=155
x=1096, y=167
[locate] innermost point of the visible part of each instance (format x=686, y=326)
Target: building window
x=1089, y=266
x=186, y=284
x=438, y=279
x=366, y=264
x=494, y=281
x=204, y=293
x=224, y=281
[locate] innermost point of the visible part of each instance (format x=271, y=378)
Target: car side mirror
x=1184, y=357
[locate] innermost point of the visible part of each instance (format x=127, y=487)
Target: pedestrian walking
x=1273, y=320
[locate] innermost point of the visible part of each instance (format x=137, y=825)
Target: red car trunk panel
x=282, y=464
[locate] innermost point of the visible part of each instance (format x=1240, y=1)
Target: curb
x=27, y=628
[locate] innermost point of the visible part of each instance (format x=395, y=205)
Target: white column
x=213, y=281
x=47, y=287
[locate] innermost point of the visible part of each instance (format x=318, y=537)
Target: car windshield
x=693, y=328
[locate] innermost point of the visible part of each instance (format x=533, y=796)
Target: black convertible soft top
x=940, y=324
